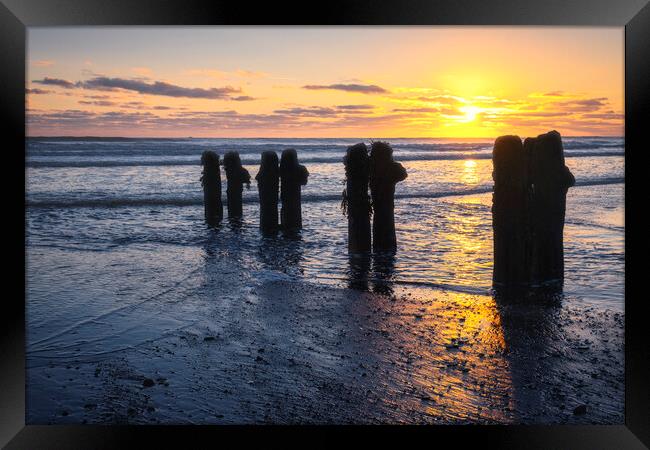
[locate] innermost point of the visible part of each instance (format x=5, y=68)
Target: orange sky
x=365, y=82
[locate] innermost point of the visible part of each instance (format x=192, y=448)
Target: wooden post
x=211, y=181
x=384, y=174
x=528, y=209
x=237, y=176
x=549, y=181
x=510, y=212
x=293, y=176
x=268, y=182
x=356, y=202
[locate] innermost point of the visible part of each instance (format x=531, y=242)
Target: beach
x=137, y=312
x=299, y=353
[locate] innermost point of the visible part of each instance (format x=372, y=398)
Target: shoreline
x=290, y=352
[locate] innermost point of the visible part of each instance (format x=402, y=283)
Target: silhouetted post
x=268, y=182
x=292, y=175
x=384, y=174
x=237, y=176
x=211, y=181
x=510, y=212
x=550, y=180
x=356, y=202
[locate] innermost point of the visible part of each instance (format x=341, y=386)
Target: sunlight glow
x=470, y=112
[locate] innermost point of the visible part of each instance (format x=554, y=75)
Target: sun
x=470, y=113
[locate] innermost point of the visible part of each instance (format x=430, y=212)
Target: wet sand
x=295, y=353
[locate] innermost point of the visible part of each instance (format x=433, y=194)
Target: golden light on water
x=470, y=175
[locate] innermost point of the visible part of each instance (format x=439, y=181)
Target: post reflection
x=282, y=252
x=383, y=266
x=359, y=271
x=374, y=272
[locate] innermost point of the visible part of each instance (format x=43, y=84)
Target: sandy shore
x=294, y=352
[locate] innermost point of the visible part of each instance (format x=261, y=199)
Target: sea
x=118, y=253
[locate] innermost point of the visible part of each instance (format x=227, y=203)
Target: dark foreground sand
x=289, y=352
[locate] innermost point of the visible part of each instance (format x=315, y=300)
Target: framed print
x=410, y=215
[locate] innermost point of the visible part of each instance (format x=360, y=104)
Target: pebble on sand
x=582, y=409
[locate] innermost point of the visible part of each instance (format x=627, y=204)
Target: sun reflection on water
x=470, y=175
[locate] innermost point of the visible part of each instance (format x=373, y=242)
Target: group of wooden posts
x=292, y=174
x=528, y=206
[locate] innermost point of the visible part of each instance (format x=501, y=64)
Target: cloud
x=355, y=107
x=312, y=111
x=157, y=88
x=97, y=102
x=37, y=91
x=133, y=105
x=98, y=97
x=420, y=110
x=442, y=99
x=145, y=122
x=605, y=116
x=243, y=98
x=57, y=82
x=143, y=87
x=361, y=88
x=43, y=63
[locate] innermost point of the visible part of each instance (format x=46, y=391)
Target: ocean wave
x=35, y=163
x=198, y=200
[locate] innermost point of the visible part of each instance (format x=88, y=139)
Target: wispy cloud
x=43, y=121
x=312, y=111
x=57, y=82
x=97, y=102
x=361, y=88
x=43, y=63
x=418, y=110
x=243, y=98
x=158, y=88
x=356, y=107
x=37, y=91
x=142, y=87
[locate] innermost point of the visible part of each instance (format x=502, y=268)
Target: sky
x=373, y=82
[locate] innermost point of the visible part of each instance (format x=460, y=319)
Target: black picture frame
x=16, y=15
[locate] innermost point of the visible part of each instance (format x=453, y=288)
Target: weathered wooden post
x=384, y=174
x=356, y=201
x=510, y=212
x=236, y=176
x=268, y=182
x=528, y=209
x=549, y=180
x=211, y=181
x=292, y=175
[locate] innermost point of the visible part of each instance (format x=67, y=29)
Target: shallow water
x=118, y=255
